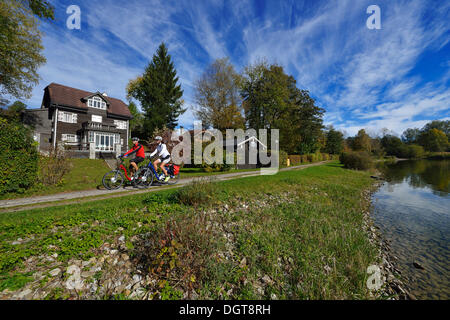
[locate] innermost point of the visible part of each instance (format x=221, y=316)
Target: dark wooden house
x=88, y=124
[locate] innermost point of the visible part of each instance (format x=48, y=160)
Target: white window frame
x=121, y=124
x=109, y=140
x=69, y=138
x=67, y=117
x=96, y=118
x=97, y=102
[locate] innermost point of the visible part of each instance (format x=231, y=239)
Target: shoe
x=166, y=179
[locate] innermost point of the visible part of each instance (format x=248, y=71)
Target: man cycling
x=140, y=155
x=164, y=157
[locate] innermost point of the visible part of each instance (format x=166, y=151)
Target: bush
x=415, y=151
x=295, y=159
x=304, y=158
x=214, y=167
x=53, y=168
x=360, y=160
x=199, y=191
x=18, y=157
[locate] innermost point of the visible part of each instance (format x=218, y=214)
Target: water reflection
x=412, y=211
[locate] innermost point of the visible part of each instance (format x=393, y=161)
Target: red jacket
x=138, y=149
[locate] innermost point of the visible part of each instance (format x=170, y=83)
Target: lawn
x=295, y=235
x=87, y=174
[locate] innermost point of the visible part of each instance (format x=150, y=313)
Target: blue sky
x=396, y=77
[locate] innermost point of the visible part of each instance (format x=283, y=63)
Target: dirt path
x=96, y=194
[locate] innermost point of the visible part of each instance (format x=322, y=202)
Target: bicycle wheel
x=174, y=179
x=113, y=180
x=143, y=178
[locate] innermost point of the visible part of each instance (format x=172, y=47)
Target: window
x=91, y=136
x=70, y=138
x=104, y=141
x=67, y=117
x=120, y=124
x=97, y=102
x=96, y=118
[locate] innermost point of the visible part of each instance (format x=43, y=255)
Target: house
x=89, y=124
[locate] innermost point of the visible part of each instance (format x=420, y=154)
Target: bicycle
x=114, y=179
x=146, y=175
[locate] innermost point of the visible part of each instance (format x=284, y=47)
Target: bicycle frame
x=122, y=167
x=151, y=167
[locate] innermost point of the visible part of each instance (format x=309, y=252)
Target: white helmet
x=158, y=138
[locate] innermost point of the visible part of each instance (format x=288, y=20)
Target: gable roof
x=68, y=96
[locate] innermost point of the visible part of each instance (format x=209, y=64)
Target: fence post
x=91, y=150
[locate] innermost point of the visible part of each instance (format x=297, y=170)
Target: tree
x=14, y=111
x=361, y=142
x=392, y=145
x=410, y=136
x=271, y=100
x=433, y=140
x=20, y=46
x=158, y=92
x=443, y=126
x=136, y=123
x=334, y=141
x=217, y=97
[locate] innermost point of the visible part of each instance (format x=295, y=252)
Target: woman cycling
x=164, y=157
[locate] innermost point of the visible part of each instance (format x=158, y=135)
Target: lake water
x=412, y=210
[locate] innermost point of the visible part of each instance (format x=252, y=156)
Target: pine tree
x=158, y=92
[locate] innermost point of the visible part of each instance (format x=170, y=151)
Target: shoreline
x=393, y=287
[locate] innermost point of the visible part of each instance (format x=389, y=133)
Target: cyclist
x=140, y=155
x=164, y=157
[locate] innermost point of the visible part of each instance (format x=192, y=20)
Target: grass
x=86, y=174
x=295, y=235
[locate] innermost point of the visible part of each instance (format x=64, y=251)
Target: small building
x=88, y=124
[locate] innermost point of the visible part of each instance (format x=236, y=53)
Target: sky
x=396, y=77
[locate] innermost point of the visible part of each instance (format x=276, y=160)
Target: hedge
x=18, y=158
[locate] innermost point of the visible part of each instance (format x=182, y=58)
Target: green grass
x=86, y=174
x=302, y=229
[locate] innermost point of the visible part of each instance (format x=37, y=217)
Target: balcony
x=105, y=127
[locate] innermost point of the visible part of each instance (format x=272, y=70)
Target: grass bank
x=295, y=235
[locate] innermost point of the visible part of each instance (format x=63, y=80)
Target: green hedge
x=18, y=158
x=359, y=160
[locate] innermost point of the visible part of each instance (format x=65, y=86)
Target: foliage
x=443, y=126
x=199, y=192
x=14, y=111
x=433, y=140
x=410, y=135
x=271, y=100
x=18, y=159
x=334, y=141
x=54, y=167
x=42, y=9
x=217, y=97
x=359, y=160
x=158, y=92
x=20, y=48
x=393, y=145
x=137, y=122
x=361, y=142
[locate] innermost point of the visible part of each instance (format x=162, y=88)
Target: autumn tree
x=272, y=100
x=334, y=141
x=433, y=140
x=217, y=97
x=21, y=46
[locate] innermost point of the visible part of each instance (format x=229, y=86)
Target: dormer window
x=97, y=102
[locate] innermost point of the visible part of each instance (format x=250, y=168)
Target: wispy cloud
x=363, y=78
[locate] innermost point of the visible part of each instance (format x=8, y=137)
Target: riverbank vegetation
x=294, y=235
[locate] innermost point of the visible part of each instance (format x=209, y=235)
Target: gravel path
x=99, y=194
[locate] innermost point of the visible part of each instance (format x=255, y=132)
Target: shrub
x=218, y=167
x=18, y=157
x=54, y=167
x=199, y=191
x=415, y=151
x=360, y=160
x=295, y=159
x=304, y=158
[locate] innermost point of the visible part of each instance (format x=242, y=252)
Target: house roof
x=68, y=96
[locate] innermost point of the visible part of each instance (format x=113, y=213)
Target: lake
x=412, y=211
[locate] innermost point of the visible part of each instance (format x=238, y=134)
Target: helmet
x=158, y=138
x=135, y=139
